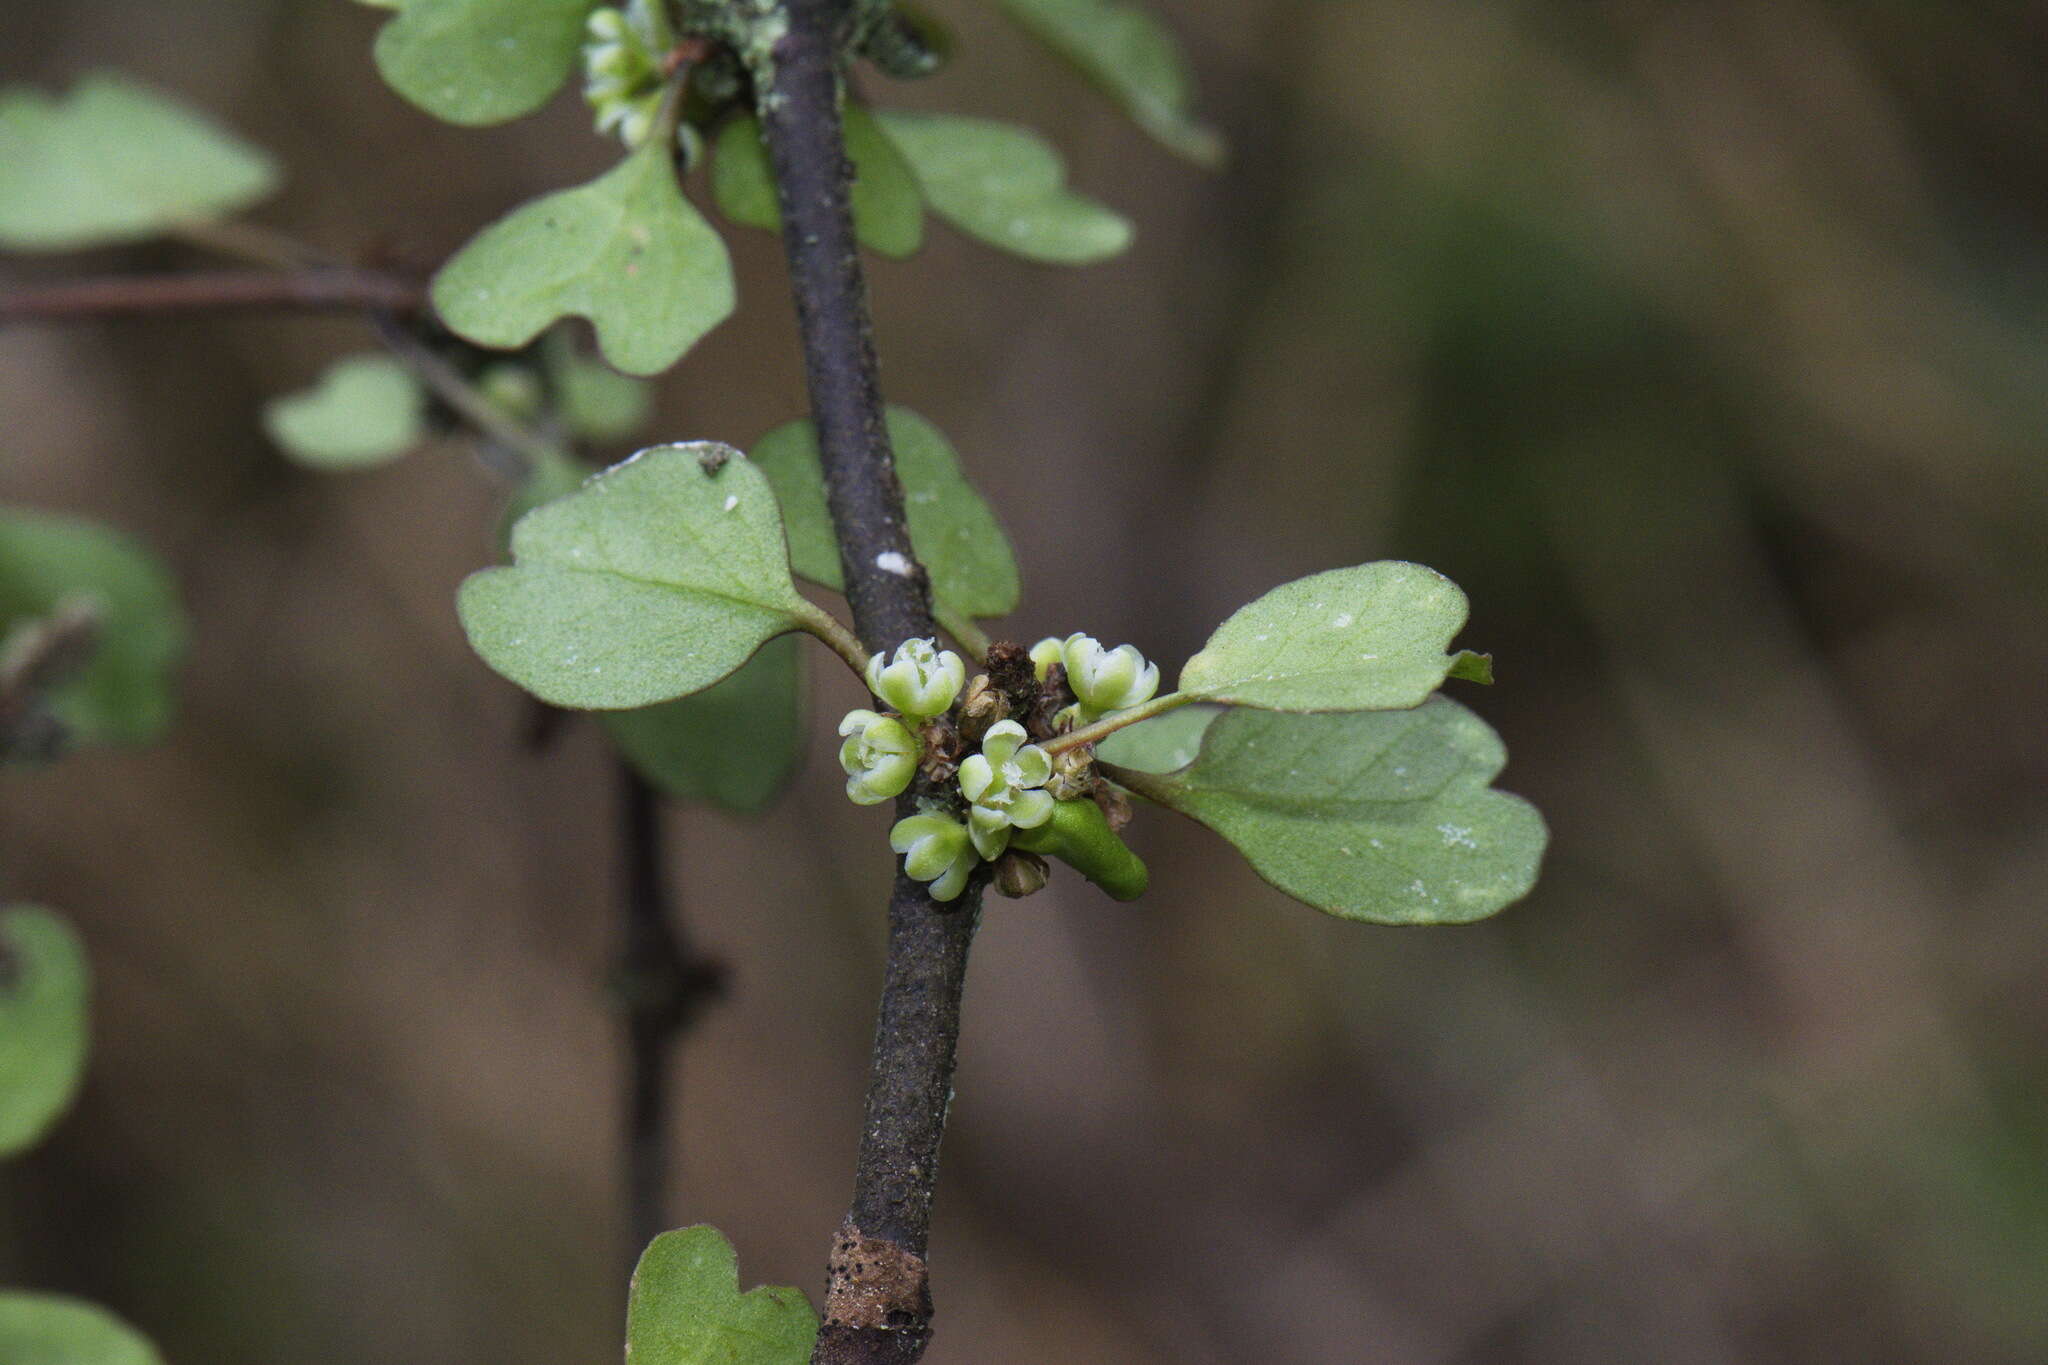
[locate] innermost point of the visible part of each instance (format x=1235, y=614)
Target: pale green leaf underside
x=123, y=695
x=51, y=1329
x=1004, y=185
x=475, y=62
x=365, y=411
x=626, y=251
x=595, y=401
x=1367, y=638
x=735, y=744
x=1373, y=815
x=659, y=577
x=42, y=1026
x=686, y=1308
x=1132, y=57
x=1161, y=744
x=888, y=210
x=954, y=531
x=113, y=162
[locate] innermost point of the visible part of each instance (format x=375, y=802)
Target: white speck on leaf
x=732, y=500
x=1457, y=836
x=1343, y=620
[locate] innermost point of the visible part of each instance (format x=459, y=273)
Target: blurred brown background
x=1705, y=346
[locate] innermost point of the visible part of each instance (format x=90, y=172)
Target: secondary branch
x=879, y=1304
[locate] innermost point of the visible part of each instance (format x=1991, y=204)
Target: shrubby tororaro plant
x=1309, y=731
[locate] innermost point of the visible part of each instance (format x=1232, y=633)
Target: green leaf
x=1472, y=667
x=735, y=744
x=1161, y=744
x=659, y=577
x=50, y=565
x=888, y=210
x=115, y=162
x=1371, y=815
x=1368, y=638
x=626, y=251
x=366, y=410
x=686, y=1308
x=42, y=1025
x=595, y=401
x=476, y=62
x=955, y=533
x=1005, y=186
x=1132, y=57
x=51, y=1329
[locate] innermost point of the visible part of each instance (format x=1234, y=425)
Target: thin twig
x=879, y=1304
x=318, y=290
x=663, y=985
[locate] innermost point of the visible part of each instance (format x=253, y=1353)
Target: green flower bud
x=1004, y=783
x=1079, y=835
x=622, y=67
x=880, y=757
x=920, y=681
x=1107, y=680
x=1046, y=653
x=935, y=849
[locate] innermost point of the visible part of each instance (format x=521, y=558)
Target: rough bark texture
x=879, y=1307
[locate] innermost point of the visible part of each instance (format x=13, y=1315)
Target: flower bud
x=935, y=849
x=880, y=757
x=1107, y=679
x=1045, y=654
x=1019, y=874
x=920, y=681
x=1004, y=784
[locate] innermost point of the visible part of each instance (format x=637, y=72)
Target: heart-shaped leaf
x=654, y=580
x=53, y=569
x=1372, y=815
x=1005, y=186
x=366, y=410
x=626, y=251
x=686, y=1308
x=735, y=744
x=476, y=62
x=51, y=1329
x=114, y=162
x=954, y=531
x=1132, y=57
x=42, y=1025
x=1361, y=639
x=888, y=210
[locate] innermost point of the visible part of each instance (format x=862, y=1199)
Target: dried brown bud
x=1073, y=774
x=1116, y=807
x=1018, y=873
x=983, y=706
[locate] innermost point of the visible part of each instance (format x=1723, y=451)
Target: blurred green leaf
x=1471, y=667
x=1161, y=744
x=1007, y=187
x=51, y=1329
x=113, y=162
x=43, y=984
x=888, y=210
x=735, y=744
x=1367, y=638
x=1371, y=815
x=687, y=1309
x=1130, y=55
x=626, y=251
x=476, y=62
x=365, y=411
x=656, y=579
x=954, y=531
x=594, y=400
x=51, y=565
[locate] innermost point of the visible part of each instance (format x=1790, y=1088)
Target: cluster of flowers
x=1004, y=785
x=622, y=67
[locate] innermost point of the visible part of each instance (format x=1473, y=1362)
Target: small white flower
x=935, y=849
x=920, y=681
x=1107, y=680
x=1004, y=783
x=1045, y=654
x=880, y=757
